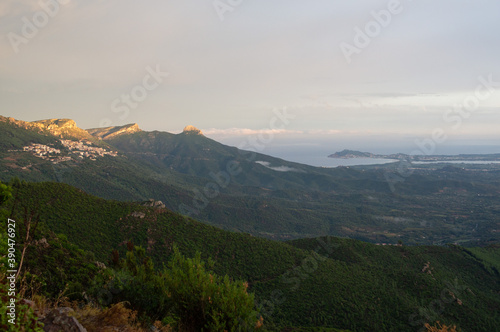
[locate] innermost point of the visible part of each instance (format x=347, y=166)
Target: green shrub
x=205, y=301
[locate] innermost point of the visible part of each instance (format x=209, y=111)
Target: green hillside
x=200, y=156
x=325, y=282
x=268, y=197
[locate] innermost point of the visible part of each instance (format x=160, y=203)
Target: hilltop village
x=80, y=149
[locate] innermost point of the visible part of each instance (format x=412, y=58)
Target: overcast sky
x=231, y=63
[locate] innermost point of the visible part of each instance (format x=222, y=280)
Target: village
x=82, y=149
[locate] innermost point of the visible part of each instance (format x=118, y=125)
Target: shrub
x=205, y=301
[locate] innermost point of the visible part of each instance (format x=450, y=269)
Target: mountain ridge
x=60, y=128
x=246, y=191
x=107, y=133
x=67, y=128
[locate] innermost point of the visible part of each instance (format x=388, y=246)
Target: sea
x=315, y=152
x=318, y=157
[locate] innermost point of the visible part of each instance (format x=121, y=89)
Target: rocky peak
x=56, y=124
x=62, y=128
x=192, y=130
x=112, y=132
x=66, y=128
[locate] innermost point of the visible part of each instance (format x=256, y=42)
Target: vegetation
x=22, y=317
x=185, y=295
x=327, y=282
x=428, y=204
x=128, y=267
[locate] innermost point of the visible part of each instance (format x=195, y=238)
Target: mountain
x=14, y=134
x=338, y=283
x=346, y=154
x=61, y=128
x=192, y=153
x=111, y=132
x=97, y=213
x=254, y=193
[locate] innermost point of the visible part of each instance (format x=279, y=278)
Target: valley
x=358, y=248
x=341, y=283
x=249, y=192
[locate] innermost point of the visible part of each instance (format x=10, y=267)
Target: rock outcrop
x=112, y=132
x=62, y=128
x=59, y=320
x=192, y=130
x=152, y=203
x=137, y=214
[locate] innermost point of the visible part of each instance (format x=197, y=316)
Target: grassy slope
x=350, y=284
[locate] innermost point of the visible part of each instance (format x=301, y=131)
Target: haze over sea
x=317, y=155
x=314, y=149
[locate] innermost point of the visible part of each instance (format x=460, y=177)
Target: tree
x=25, y=319
x=185, y=294
x=5, y=193
x=5, y=196
x=205, y=301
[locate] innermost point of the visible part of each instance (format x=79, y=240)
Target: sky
x=381, y=76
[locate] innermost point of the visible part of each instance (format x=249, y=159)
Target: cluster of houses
x=41, y=150
x=389, y=244
x=82, y=149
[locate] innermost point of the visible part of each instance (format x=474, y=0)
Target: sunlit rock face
x=192, y=130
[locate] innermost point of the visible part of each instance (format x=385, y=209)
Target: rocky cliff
x=62, y=128
x=112, y=132
x=192, y=130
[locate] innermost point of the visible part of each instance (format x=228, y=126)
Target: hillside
x=267, y=197
x=339, y=283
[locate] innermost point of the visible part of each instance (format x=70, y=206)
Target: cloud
x=230, y=74
x=278, y=168
x=248, y=132
x=325, y=132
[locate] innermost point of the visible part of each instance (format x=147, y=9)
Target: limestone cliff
x=112, y=132
x=62, y=128
x=192, y=130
